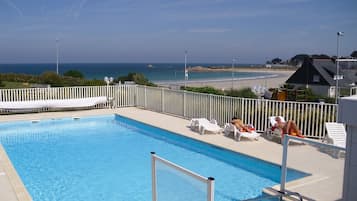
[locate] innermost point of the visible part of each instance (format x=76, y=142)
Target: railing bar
x=181, y=169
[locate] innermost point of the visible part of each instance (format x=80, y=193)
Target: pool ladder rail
x=289, y=196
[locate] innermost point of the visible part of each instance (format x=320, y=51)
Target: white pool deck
x=324, y=184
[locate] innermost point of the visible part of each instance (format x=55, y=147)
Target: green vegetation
x=298, y=59
x=354, y=54
x=320, y=56
x=70, y=78
x=244, y=93
x=276, y=61
x=205, y=90
x=74, y=73
x=311, y=97
x=138, y=78
x=22, y=80
x=14, y=85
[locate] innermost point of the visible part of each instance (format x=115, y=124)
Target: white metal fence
x=310, y=117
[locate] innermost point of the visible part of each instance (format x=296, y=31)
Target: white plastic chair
x=202, y=125
x=229, y=128
x=336, y=134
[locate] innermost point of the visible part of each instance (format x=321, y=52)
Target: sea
x=155, y=72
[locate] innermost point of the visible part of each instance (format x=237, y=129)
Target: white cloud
x=208, y=30
x=221, y=15
x=290, y=1
x=14, y=6
x=76, y=8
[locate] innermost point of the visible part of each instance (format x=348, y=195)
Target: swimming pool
x=108, y=158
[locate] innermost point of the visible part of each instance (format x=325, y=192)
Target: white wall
x=347, y=112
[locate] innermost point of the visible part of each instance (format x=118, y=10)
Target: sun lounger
x=202, y=125
x=230, y=128
x=194, y=123
x=14, y=106
x=77, y=102
x=336, y=134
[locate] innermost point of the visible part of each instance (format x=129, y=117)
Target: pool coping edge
x=16, y=183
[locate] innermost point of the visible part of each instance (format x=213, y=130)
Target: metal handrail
x=285, y=155
x=280, y=196
x=209, y=181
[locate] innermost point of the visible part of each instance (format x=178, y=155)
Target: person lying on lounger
x=240, y=126
x=288, y=127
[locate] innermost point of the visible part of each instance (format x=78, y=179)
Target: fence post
x=145, y=98
x=242, y=110
x=116, y=96
x=210, y=189
x=210, y=106
x=184, y=103
x=153, y=173
x=136, y=98
x=162, y=100
x=283, y=164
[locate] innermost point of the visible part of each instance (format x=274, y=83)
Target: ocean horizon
x=156, y=72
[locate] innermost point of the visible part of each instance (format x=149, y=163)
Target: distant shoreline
x=274, y=80
x=216, y=80
x=238, y=69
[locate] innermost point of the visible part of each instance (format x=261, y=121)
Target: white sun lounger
x=77, y=102
x=15, y=105
x=336, y=134
x=53, y=103
x=202, y=125
x=229, y=128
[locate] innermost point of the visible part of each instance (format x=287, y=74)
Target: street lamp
x=186, y=72
x=233, y=61
x=57, y=52
x=338, y=77
x=109, y=80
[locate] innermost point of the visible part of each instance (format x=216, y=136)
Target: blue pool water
x=108, y=158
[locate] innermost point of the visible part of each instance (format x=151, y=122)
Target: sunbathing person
x=240, y=126
x=288, y=127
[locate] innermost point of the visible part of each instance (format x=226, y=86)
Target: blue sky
x=161, y=30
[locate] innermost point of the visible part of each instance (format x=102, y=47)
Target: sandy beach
x=276, y=78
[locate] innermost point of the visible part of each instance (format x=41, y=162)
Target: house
x=318, y=75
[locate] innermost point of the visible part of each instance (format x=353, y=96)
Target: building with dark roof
x=318, y=75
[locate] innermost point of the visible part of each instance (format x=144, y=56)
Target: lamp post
x=338, y=77
x=57, y=52
x=108, y=80
x=186, y=72
x=233, y=61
